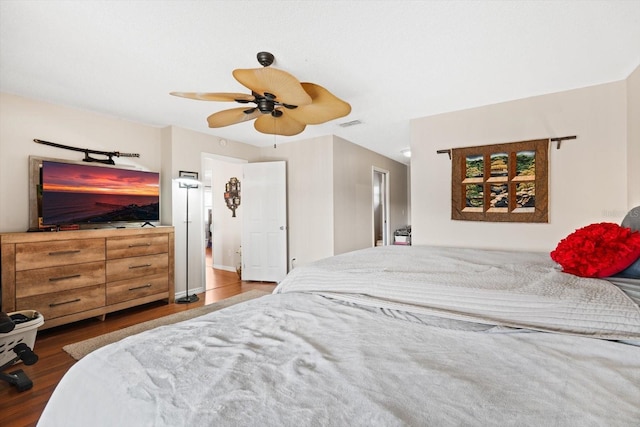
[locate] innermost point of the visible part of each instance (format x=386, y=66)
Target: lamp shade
x=185, y=181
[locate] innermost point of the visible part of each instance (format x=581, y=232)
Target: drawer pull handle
x=64, y=252
x=139, y=266
x=55, y=279
x=148, y=285
x=135, y=245
x=55, y=304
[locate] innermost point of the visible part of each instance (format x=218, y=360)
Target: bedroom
x=609, y=100
x=600, y=112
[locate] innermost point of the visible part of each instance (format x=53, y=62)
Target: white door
x=264, y=221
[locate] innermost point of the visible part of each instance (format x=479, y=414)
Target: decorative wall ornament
x=108, y=161
x=501, y=182
x=232, y=194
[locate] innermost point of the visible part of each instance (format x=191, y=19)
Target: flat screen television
x=75, y=193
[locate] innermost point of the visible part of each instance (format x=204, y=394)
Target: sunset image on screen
x=78, y=193
x=65, y=177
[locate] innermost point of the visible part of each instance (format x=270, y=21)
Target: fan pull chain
x=275, y=125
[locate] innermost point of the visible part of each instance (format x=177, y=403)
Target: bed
x=386, y=336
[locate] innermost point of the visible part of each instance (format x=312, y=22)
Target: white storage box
x=23, y=333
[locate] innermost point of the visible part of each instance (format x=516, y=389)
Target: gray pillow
x=632, y=272
x=632, y=220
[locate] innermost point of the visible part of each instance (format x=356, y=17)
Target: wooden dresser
x=73, y=275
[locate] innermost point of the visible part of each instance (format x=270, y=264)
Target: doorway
x=380, y=208
x=222, y=230
x=265, y=240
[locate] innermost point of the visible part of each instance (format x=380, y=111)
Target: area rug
x=80, y=349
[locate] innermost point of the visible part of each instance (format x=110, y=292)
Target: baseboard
x=224, y=267
x=192, y=291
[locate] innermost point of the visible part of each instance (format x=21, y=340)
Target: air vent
x=351, y=123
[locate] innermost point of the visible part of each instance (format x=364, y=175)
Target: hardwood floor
x=24, y=409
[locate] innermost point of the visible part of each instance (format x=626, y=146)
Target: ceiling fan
x=283, y=105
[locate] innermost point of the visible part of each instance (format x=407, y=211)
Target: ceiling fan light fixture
x=278, y=94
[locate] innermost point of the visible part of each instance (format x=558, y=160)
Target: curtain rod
x=445, y=151
x=558, y=140
x=562, y=138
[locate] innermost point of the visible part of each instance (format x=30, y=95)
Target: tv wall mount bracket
x=87, y=158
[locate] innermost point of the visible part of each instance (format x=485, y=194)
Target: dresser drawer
x=130, y=268
x=122, y=247
x=65, y=302
x=55, y=253
x=125, y=290
x=56, y=279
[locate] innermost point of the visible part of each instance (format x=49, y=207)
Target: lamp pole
x=187, y=298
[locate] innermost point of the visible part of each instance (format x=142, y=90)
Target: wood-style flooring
x=24, y=408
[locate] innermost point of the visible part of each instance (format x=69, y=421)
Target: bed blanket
x=295, y=359
x=508, y=288
x=380, y=337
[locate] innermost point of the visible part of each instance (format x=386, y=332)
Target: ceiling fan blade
x=283, y=125
x=325, y=106
x=223, y=96
x=283, y=85
x=231, y=117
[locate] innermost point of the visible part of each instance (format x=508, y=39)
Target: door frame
x=207, y=175
x=384, y=192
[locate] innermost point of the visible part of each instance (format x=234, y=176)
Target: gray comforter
x=318, y=354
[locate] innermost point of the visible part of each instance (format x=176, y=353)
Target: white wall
x=227, y=230
x=588, y=177
x=309, y=197
x=166, y=184
x=633, y=145
x=22, y=120
x=353, y=195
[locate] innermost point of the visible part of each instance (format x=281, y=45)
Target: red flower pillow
x=598, y=250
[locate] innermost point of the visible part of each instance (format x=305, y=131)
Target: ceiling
x=391, y=60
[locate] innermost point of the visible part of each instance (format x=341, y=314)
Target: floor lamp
x=187, y=180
